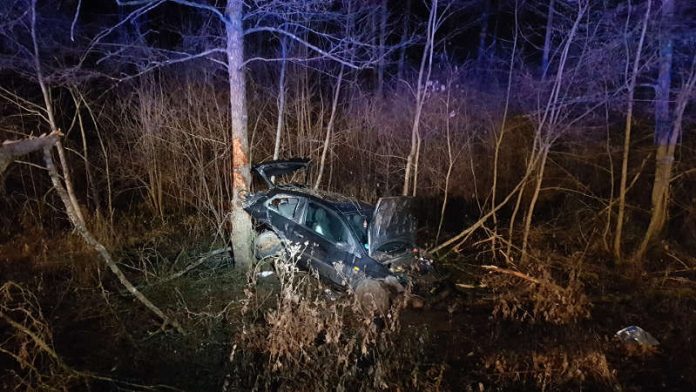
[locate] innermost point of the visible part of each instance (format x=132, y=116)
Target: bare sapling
x=618, y=234
x=435, y=20
x=548, y=122
x=329, y=128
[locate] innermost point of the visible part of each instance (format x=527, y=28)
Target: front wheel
x=267, y=244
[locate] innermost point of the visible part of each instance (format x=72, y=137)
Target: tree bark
x=81, y=228
x=666, y=143
x=66, y=194
x=329, y=129
x=618, y=235
x=281, y=100
x=421, y=89
x=13, y=149
x=241, y=233
x=666, y=133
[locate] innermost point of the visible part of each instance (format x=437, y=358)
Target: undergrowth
x=312, y=339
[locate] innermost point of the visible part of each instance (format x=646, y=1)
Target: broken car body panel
x=268, y=170
x=392, y=225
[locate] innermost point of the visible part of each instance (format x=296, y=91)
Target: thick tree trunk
x=666, y=133
x=241, y=235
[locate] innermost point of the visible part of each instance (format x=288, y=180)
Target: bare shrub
x=552, y=369
x=29, y=343
x=535, y=295
x=310, y=338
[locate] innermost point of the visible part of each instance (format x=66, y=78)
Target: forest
x=547, y=149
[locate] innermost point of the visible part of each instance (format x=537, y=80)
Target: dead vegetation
x=311, y=338
x=29, y=344
x=553, y=369
x=536, y=295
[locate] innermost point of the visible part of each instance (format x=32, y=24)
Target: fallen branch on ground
x=191, y=266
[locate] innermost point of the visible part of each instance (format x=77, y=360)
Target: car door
x=330, y=246
x=284, y=215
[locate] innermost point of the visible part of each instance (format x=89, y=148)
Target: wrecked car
x=344, y=240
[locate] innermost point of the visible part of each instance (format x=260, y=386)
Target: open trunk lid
x=393, y=224
x=269, y=170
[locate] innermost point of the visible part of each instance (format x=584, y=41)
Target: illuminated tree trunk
x=618, y=235
x=281, y=100
x=421, y=89
x=241, y=233
x=329, y=129
x=668, y=130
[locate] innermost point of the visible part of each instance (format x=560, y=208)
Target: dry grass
x=552, y=369
x=310, y=338
x=29, y=343
x=531, y=293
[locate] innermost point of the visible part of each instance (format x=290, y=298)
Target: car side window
x=326, y=223
x=286, y=206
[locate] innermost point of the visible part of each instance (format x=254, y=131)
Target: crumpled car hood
x=392, y=222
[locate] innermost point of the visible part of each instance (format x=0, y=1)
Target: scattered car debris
x=637, y=335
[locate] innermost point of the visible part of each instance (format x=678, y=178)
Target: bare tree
x=281, y=98
x=436, y=17
x=668, y=125
x=618, y=235
x=329, y=128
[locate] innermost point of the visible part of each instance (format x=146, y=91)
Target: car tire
x=267, y=244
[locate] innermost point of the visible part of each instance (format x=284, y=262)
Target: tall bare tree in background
x=436, y=17
x=668, y=124
x=618, y=235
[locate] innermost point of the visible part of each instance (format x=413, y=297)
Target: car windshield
x=359, y=223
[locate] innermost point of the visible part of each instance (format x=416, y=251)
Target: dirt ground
x=462, y=345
